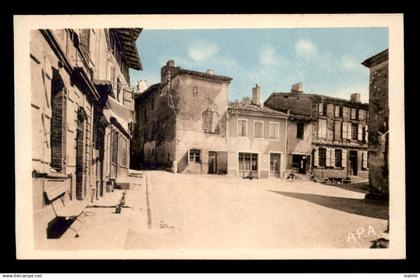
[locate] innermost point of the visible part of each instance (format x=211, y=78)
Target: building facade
x=378, y=122
x=70, y=88
x=256, y=140
x=327, y=136
x=181, y=122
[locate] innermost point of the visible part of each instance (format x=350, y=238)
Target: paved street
x=203, y=211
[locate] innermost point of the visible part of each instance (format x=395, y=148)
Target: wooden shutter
x=360, y=133
x=344, y=158
x=344, y=131
x=364, y=160
x=320, y=108
x=366, y=134
x=337, y=130
x=327, y=157
x=332, y=157
x=349, y=131
x=316, y=157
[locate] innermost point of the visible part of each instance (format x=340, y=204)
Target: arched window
x=210, y=121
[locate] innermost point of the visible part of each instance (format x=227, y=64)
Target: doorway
x=275, y=165
x=299, y=163
x=353, y=163
x=212, y=163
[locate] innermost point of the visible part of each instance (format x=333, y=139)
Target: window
x=274, y=131
x=195, y=155
x=58, y=123
x=338, y=156
x=322, y=129
x=153, y=102
x=242, y=127
x=210, y=121
x=341, y=111
x=248, y=162
x=353, y=114
x=258, y=129
x=85, y=43
x=195, y=91
x=300, y=129
x=322, y=154
x=354, y=130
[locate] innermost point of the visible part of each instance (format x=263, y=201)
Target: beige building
x=79, y=108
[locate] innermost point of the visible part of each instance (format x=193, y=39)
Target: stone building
x=327, y=136
x=74, y=83
x=181, y=122
x=378, y=122
x=256, y=140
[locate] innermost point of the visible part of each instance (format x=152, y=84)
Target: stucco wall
x=262, y=146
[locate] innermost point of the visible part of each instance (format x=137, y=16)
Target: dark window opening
x=300, y=130
x=338, y=157
x=195, y=155
x=322, y=152
x=354, y=130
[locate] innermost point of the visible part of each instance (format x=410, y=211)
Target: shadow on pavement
x=369, y=208
x=356, y=187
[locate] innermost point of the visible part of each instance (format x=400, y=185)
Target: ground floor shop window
x=248, y=164
x=194, y=155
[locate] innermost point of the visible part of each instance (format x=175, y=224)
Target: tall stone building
x=327, y=136
x=378, y=122
x=79, y=109
x=181, y=121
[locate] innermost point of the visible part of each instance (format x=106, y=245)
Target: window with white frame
x=242, y=127
x=274, y=133
x=258, y=129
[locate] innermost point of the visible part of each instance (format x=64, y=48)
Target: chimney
x=297, y=88
x=166, y=71
x=210, y=71
x=355, y=98
x=256, y=93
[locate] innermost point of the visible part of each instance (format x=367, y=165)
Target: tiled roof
x=376, y=59
x=249, y=108
x=128, y=37
x=179, y=70
x=148, y=91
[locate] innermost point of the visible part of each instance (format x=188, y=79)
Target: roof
x=179, y=70
x=376, y=59
x=317, y=97
x=255, y=110
x=128, y=37
x=148, y=91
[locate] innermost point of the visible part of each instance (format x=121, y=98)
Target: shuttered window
x=353, y=114
x=316, y=157
x=258, y=129
x=320, y=108
x=210, y=121
x=337, y=130
x=322, y=129
x=336, y=111
x=242, y=127
x=360, y=133
x=332, y=157
x=58, y=124
x=327, y=157
x=354, y=130
x=364, y=160
x=274, y=131
x=322, y=153
x=338, y=158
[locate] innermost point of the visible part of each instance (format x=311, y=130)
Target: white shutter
x=366, y=133
x=332, y=157
x=316, y=157
x=344, y=158
x=344, y=130
x=364, y=160
x=349, y=131
x=360, y=133
x=327, y=157
x=320, y=108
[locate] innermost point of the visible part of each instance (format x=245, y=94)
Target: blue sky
x=326, y=60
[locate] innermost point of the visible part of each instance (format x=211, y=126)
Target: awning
x=120, y=110
x=121, y=124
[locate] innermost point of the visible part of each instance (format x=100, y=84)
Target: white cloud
x=350, y=63
x=201, y=50
x=268, y=56
x=305, y=48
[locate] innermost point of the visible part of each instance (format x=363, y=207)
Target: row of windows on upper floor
x=337, y=111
